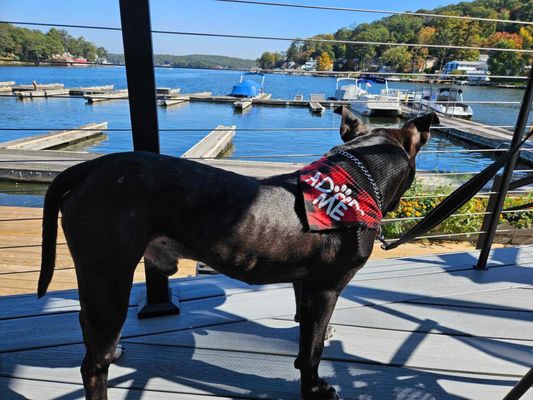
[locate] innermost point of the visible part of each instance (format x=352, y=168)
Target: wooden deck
x=411, y=328
x=20, y=255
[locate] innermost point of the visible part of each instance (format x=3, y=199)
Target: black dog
x=314, y=227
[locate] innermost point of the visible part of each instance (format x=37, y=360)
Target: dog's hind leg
x=316, y=307
x=104, y=306
x=104, y=270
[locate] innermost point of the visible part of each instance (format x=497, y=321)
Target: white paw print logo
x=342, y=193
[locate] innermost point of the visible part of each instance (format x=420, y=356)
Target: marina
x=284, y=118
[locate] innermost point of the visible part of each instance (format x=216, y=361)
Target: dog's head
x=351, y=126
x=376, y=143
x=411, y=137
x=415, y=133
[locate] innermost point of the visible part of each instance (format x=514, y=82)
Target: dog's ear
x=351, y=126
x=415, y=132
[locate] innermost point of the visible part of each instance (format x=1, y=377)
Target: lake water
x=300, y=145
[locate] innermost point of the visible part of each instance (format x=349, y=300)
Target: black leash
x=456, y=199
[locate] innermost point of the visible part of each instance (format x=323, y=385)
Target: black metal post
x=521, y=387
x=138, y=54
x=521, y=123
x=491, y=205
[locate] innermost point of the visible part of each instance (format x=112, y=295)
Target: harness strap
x=456, y=199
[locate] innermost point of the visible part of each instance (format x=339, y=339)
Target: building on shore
x=476, y=71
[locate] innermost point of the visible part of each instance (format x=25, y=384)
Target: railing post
x=138, y=54
x=491, y=206
x=521, y=123
x=521, y=387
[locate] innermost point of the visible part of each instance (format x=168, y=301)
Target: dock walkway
x=55, y=139
x=477, y=134
x=418, y=327
x=44, y=166
x=213, y=144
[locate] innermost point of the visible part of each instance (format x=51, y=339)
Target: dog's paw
x=321, y=391
x=330, y=331
x=118, y=352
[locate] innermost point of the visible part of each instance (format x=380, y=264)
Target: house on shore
x=476, y=71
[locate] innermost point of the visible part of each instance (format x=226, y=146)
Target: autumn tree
x=324, y=62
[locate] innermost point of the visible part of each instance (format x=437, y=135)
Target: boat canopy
x=248, y=87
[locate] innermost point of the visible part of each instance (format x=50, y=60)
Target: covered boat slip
x=427, y=327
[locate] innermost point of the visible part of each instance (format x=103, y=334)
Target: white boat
x=449, y=102
x=384, y=104
x=348, y=89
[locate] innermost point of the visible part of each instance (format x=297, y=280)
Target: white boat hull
x=377, y=106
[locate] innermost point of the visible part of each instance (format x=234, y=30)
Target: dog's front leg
x=316, y=305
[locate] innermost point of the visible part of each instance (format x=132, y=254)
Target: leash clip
x=381, y=238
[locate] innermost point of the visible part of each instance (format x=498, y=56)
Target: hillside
x=421, y=30
x=193, y=61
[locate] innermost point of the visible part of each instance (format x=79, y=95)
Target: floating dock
x=7, y=86
x=39, y=166
x=214, y=144
x=179, y=98
x=42, y=166
x=477, y=134
x=171, y=102
x=82, y=91
x=55, y=139
x=101, y=97
x=38, y=86
x=316, y=107
x=242, y=104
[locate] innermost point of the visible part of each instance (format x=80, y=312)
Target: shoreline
x=315, y=74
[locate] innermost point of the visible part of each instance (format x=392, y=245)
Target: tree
x=324, y=62
x=365, y=54
x=403, y=28
x=504, y=62
x=7, y=43
x=398, y=58
x=526, y=34
x=101, y=52
x=267, y=60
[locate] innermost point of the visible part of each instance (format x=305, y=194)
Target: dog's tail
x=52, y=204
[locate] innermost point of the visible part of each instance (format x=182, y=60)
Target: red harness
x=333, y=199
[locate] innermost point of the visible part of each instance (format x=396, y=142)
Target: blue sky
x=206, y=16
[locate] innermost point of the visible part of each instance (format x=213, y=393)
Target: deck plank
x=424, y=318
x=362, y=345
x=362, y=291
x=18, y=389
x=250, y=305
x=236, y=374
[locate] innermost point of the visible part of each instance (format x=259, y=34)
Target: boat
x=249, y=87
x=449, y=102
x=348, y=89
x=384, y=104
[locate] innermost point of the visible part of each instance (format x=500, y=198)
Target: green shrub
x=470, y=215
